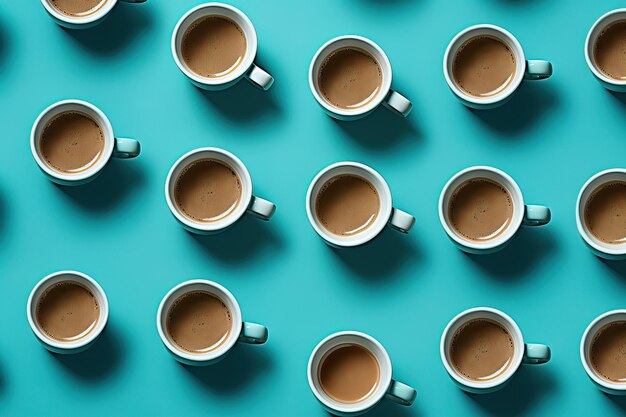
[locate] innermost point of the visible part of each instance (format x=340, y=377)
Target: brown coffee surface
x=349, y=373
x=72, y=142
x=347, y=205
x=199, y=322
x=608, y=352
x=67, y=311
x=480, y=209
x=78, y=8
x=481, y=350
x=605, y=213
x=207, y=190
x=350, y=78
x=213, y=46
x=610, y=51
x=484, y=66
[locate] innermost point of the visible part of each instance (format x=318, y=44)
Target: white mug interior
x=81, y=20
x=491, y=31
x=497, y=176
x=354, y=42
x=360, y=170
x=195, y=286
x=356, y=338
x=596, y=30
x=64, y=276
x=72, y=106
x=488, y=314
x=215, y=9
x=227, y=158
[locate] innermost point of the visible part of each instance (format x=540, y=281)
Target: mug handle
x=126, y=148
x=537, y=69
x=536, y=215
x=252, y=333
x=261, y=208
x=401, y=393
x=397, y=103
x=401, y=221
x=260, y=77
x=535, y=354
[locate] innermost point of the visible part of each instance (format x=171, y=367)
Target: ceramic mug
x=247, y=68
x=387, y=386
x=387, y=215
x=598, y=27
x=599, y=248
x=259, y=207
x=523, y=215
x=585, y=346
x=113, y=147
x=243, y=332
x=526, y=69
x=526, y=353
x=87, y=340
x=86, y=21
x=391, y=99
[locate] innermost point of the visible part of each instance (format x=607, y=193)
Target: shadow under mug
x=387, y=214
x=525, y=69
x=256, y=206
x=113, y=147
x=247, y=68
x=527, y=353
x=523, y=215
x=386, y=96
x=83, y=22
x=598, y=27
x=243, y=332
x=387, y=386
x=84, y=342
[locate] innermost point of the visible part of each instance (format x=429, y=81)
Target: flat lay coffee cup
x=603, y=354
x=349, y=204
x=215, y=45
x=482, y=348
x=485, y=64
x=73, y=140
x=350, y=372
x=81, y=14
x=209, y=189
x=350, y=76
x=481, y=209
x=67, y=311
x=199, y=322
x=605, y=47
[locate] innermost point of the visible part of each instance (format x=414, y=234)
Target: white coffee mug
x=585, y=347
x=523, y=215
x=243, y=332
x=113, y=147
x=247, y=68
x=527, y=353
x=598, y=27
x=386, y=96
x=87, y=340
x=387, y=386
x=259, y=207
x=89, y=19
x=387, y=214
x=525, y=70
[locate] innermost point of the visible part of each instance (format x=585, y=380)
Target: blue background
x=401, y=289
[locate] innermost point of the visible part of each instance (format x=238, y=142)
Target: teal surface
x=551, y=137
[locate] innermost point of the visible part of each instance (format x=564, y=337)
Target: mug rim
x=589, y=48
x=80, y=20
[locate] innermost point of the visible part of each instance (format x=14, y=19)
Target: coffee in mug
x=608, y=354
x=78, y=8
x=609, y=51
x=605, y=213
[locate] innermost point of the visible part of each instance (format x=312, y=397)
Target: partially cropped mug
x=604, y=59
x=481, y=208
x=72, y=141
x=81, y=14
x=482, y=94
x=369, y=70
x=483, y=348
x=346, y=391
x=212, y=67
x=349, y=204
x=199, y=322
